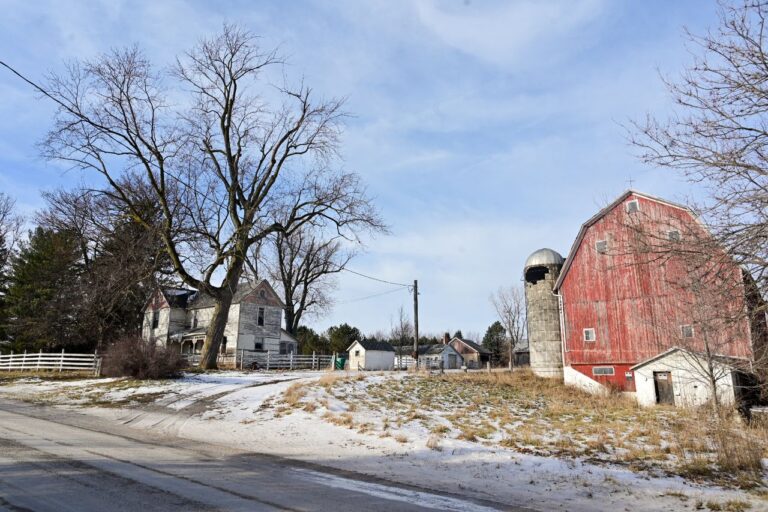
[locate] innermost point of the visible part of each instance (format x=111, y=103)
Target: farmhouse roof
x=177, y=297
x=432, y=349
x=599, y=215
x=381, y=346
x=203, y=300
x=472, y=345
x=737, y=362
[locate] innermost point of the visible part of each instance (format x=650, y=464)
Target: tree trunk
x=215, y=332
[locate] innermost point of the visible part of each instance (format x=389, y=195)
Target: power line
x=376, y=278
x=372, y=296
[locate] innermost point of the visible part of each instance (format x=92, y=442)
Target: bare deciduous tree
x=10, y=227
x=718, y=135
x=303, y=264
x=509, y=303
x=226, y=168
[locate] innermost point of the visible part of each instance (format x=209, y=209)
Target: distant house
x=430, y=356
x=371, y=355
x=179, y=317
x=474, y=355
x=680, y=377
x=522, y=354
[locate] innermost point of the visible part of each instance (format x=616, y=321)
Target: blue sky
x=484, y=130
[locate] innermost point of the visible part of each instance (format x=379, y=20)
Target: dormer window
x=633, y=206
x=260, y=317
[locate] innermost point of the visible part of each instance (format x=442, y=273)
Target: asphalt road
x=57, y=460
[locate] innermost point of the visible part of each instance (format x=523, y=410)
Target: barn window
x=601, y=246
x=686, y=331
x=155, y=319
x=602, y=370
x=633, y=206
x=673, y=235
x=589, y=334
x=260, y=319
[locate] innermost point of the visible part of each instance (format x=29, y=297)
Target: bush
x=140, y=359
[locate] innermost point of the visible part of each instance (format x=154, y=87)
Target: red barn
x=621, y=304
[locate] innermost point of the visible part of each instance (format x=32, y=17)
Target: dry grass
x=293, y=395
x=401, y=438
x=542, y=416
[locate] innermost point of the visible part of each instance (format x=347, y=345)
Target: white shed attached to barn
x=371, y=355
x=681, y=377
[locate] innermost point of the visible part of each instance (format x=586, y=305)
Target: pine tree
x=342, y=336
x=41, y=303
x=494, y=340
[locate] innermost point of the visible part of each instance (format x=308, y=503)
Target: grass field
x=528, y=414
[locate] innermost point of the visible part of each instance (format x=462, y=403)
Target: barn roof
x=737, y=362
x=599, y=215
x=381, y=346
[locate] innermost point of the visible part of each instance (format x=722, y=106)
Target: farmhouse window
x=673, y=235
x=259, y=344
x=155, y=319
x=601, y=246
x=602, y=370
x=260, y=319
x=686, y=331
x=194, y=319
x=589, y=334
x=633, y=206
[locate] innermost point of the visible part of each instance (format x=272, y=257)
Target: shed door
x=452, y=361
x=664, y=392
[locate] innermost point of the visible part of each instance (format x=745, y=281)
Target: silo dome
x=544, y=257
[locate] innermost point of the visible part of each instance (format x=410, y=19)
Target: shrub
x=134, y=357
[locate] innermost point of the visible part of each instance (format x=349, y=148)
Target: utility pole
x=415, y=320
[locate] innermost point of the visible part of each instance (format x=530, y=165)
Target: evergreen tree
x=458, y=334
x=342, y=336
x=41, y=303
x=494, y=340
x=310, y=341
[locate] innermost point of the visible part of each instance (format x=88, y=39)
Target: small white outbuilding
x=681, y=377
x=371, y=355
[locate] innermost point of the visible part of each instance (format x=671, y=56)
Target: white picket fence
x=57, y=361
x=253, y=360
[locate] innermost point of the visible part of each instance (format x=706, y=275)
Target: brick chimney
x=446, y=338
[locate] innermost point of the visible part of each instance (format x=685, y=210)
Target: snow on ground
x=252, y=411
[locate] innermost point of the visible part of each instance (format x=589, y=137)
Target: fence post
x=10, y=361
x=39, y=356
x=313, y=360
x=290, y=361
x=61, y=361
x=268, y=360
x=242, y=356
x=24, y=360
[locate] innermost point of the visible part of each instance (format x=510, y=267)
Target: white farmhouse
x=179, y=317
x=371, y=355
x=430, y=356
x=681, y=377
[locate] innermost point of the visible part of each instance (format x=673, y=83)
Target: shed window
x=155, y=319
x=601, y=246
x=673, y=235
x=589, y=334
x=357, y=353
x=260, y=319
x=633, y=206
x=686, y=331
x=602, y=370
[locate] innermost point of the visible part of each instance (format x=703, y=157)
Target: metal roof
x=544, y=257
